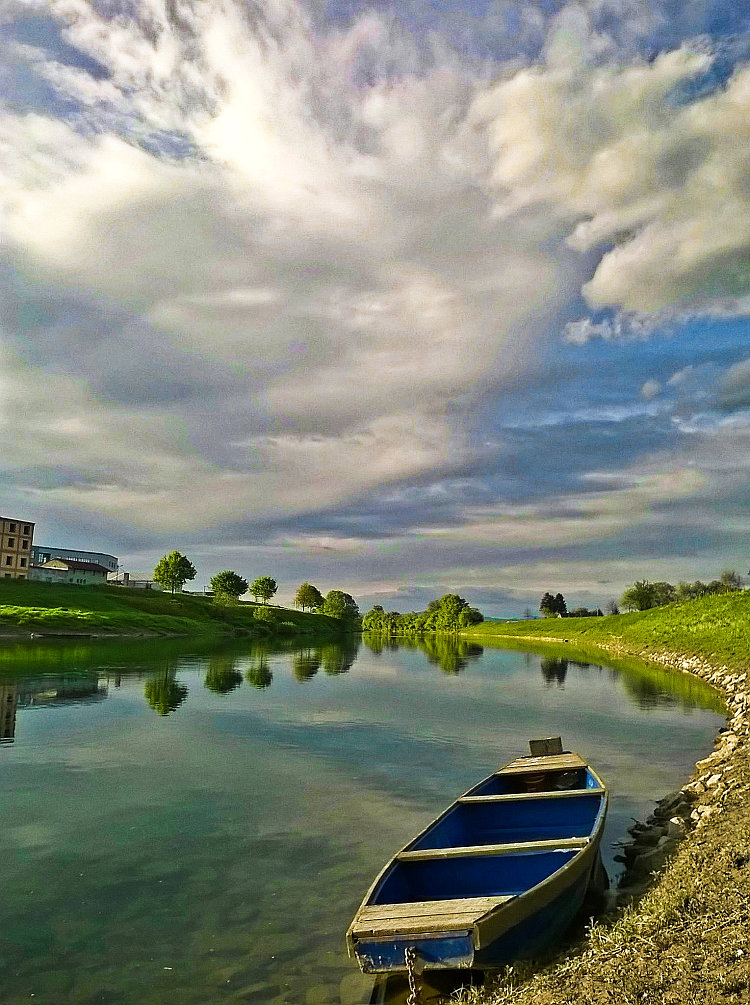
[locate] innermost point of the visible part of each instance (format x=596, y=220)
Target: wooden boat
x=498, y=876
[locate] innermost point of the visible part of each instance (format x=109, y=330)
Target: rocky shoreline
x=678, y=925
x=653, y=842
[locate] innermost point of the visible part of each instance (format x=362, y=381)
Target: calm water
x=216, y=853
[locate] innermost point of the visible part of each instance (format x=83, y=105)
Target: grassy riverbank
x=715, y=628
x=686, y=938
x=51, y=609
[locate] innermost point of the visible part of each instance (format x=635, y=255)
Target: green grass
x=51, y=608
x=715, y=628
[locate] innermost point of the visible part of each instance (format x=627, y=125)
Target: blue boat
x=497, y=876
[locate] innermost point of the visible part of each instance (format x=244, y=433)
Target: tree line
x=555, y=606
x=643, y=595
x=450, y=613
x=172, y=571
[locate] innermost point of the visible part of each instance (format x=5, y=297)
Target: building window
x=23, y=563
x=12, y=528
x=11, y=542
x=26, y=528
x=21, y=576
x=25, y=545
x=8, y=575
x=9, y=560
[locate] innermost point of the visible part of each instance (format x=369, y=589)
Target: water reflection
x=306, y=664
x=8, y=709
x=240, y=884
x=554, y=671
x=164, y=693
x=449, y=652
x=258, y=674
x=222, y=675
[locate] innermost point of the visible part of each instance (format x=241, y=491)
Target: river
x=193, y=823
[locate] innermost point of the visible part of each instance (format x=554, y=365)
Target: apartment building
x=15, y=547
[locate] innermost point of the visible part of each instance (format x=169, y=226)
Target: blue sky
x=403, y=299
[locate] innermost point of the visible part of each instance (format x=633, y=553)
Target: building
x=15, y=547
x=59, y=570
x=44, y=553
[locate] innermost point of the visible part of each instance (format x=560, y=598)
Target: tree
x=612, y=607
x=639, y=596
x=308, y=596
x=173, y=571
x=731, y=580
x=663, y=593
x=341, y=605
x=228, y=584
x=550, y=606
x=263, y=587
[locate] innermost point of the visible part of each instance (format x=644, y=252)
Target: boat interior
x=529, y=820
x=503, y=783
x=509, y=833
x=436, y=879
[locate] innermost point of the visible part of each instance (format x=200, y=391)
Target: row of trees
x=175, y=569
x=448, y=614
x=643, y=595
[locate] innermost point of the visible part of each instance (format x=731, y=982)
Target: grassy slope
x=716, y=628
x=49, y=608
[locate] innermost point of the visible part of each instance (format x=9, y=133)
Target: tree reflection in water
x=258, y=673
x=163, y=692
x=451, y=654
x=305, y=664
x=222, y=675
x=340, y=656
x=554, y=670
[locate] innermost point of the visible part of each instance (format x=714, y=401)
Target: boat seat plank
x=418, y=918
x=413, y=926
x=465, y=851
x=547, y=762
x=413, y=909
x=517, y=797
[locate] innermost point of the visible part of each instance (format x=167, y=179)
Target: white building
x=59, y=570
x=41, y=553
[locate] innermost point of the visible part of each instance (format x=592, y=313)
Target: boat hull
x=499, y=876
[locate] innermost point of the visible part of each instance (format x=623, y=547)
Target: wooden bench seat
x=466, y=851
x=382, y=920
x=513, y=797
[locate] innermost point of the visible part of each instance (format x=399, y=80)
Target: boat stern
x=433, y=951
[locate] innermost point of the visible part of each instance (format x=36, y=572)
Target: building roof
x=74, y=566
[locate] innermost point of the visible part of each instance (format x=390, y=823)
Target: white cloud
x=620, y=162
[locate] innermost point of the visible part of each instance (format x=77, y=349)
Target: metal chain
x=415, y=994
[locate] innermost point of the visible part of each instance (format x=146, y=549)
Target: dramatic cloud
x=390, y=288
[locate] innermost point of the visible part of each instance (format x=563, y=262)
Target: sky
x=401, y=299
